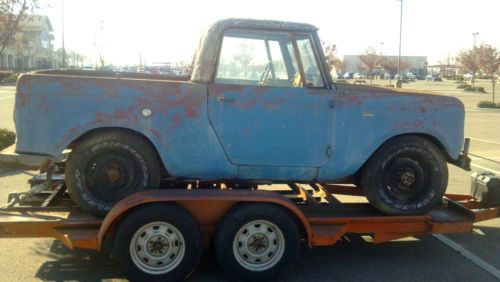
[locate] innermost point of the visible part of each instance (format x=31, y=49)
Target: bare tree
x=12, y=15
x=331, y=58
x=185, y=67
x=75, y=59
x=390, y=66
x=489, y=62
x=470, y=61
x=370, y=59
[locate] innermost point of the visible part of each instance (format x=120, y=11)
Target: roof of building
x=37, y=22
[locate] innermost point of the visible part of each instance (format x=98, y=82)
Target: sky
x=169, y=31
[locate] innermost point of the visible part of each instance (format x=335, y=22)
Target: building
x=32, y=47
x=415, y=64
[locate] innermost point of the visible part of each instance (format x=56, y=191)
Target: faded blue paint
x=260, y=133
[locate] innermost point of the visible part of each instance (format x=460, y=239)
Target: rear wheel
x=105, y=167
x=158, y=243
x=257, y=242
x=407, y=175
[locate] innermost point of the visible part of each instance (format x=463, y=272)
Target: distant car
x=358, y=76
x=433, y=77
x=467, y=76
x=88, y=68
x=388, y=76
x=348, y=75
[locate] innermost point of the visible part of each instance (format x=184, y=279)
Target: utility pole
x=63, y=49
x=474, y=34
x=398, y=82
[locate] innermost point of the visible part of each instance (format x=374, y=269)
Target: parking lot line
x=4, y=98
x=485, y=168
x=468, y=255
x=484, y=140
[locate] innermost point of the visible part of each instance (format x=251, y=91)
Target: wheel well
x=430, y=138
x=97, y=131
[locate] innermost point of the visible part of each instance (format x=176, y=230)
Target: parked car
x=287, y=125
x=433, y=77
x=358, y=76
x=388, y=76
x=348, y=75
x=467, y=76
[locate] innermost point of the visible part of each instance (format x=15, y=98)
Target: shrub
x=474, y=89
x=4, y=74
x=12, y=78
x=486, y=104
x=7, y=138
x=462, y=86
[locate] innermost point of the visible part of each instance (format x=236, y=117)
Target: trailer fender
x=207, y=207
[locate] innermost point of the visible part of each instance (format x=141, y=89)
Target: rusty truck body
x=260, y=107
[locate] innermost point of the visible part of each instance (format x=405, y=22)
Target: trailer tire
x=407, y=175
x=159, y=242
x=255, y=242
x=105, y=167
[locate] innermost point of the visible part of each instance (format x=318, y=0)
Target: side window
x=309, y=62
x=256, y=58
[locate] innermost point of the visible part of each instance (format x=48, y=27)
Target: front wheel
x=407, y=175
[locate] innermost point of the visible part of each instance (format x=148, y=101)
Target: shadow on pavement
x=423, y=259
x=76, y=265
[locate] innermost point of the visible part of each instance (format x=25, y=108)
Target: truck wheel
x=407, y=175
x=158, y=243
x=107, y=166
x=256, y=242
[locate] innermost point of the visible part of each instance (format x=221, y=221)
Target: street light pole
x=398, y=82
x=63, y=49
x=474, y=47
x=475, y=34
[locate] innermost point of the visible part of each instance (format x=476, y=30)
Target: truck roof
x=207, y=53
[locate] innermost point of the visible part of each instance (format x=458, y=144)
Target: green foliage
x=4, y=74
x=487, y=104
x=12, y=78
x=7, y=138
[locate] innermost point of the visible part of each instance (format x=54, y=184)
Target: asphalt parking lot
x=412, y=259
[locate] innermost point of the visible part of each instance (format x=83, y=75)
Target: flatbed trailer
x=255, y=233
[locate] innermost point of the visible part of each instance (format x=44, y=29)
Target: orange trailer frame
x=321, y=224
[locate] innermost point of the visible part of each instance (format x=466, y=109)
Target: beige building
x=32, y=47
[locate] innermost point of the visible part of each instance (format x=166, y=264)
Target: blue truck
x=259, y=108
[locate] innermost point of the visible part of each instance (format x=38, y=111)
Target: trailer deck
x=325, y=217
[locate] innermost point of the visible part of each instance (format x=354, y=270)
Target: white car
x=358, y=76
x=467, y=76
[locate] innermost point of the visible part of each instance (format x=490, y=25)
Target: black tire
x=179, y=260
x=407, y=175
x=107, y=166
x=230, y=252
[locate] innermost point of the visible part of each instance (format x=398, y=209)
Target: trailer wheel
x=256, y=242
x=407, y=175
x=107, y=166
x=158, y=243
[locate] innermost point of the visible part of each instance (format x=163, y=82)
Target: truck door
x=270, y=104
